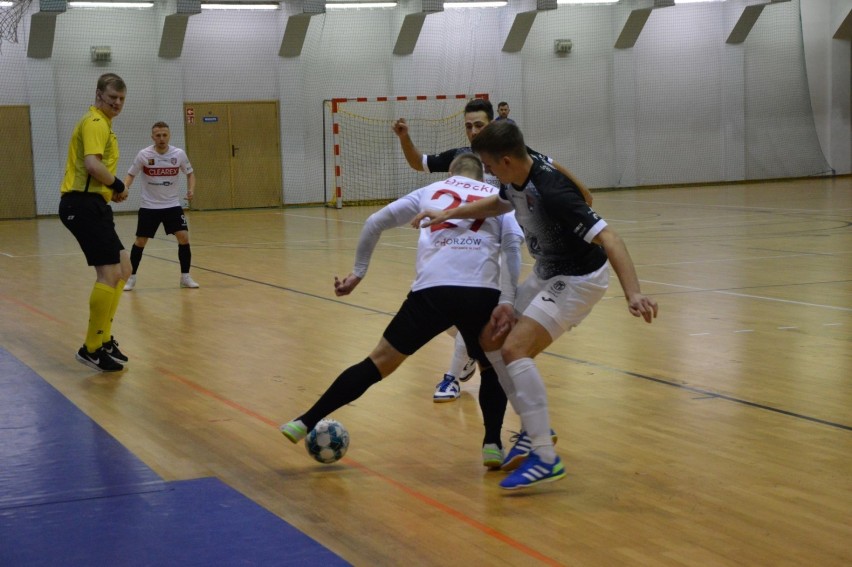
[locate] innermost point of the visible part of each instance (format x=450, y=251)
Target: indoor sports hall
x=716, y=139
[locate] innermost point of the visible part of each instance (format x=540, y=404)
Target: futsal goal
x=364, y=162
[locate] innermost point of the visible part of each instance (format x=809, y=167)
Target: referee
x=87, y=188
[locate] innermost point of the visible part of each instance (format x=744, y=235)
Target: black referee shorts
x=427, y=313
x=89, y=218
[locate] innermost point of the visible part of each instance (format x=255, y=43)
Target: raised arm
x=638, y=304
x=413, y=156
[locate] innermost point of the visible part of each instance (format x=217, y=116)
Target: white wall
x=828, y=64
x=680, y=107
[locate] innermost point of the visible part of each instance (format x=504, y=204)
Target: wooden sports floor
x=719, y=435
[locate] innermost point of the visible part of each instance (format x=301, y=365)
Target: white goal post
x=364, y=158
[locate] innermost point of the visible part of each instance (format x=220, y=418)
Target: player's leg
x=110, y=345
x=560, y=304
x=147, y=223
x=413, y=326
x=176, y=223
x=461, y=369
x=473, y=312
x=528, y=339
x=346, y=388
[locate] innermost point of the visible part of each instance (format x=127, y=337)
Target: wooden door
x=235, y=151
x=208, y=146
x=256, y=162
x=17, y=180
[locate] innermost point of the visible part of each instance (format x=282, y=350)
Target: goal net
x=365, y=159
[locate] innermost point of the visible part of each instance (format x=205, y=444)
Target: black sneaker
x=111, y=348
x=99, y=360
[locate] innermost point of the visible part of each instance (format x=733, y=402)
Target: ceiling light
x=695, y=1
x=489, y=4
x=5, y=4
x=89, y=4
x=239, y=6
x=586, y=1
x=354, y=5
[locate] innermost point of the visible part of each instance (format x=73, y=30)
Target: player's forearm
x=510, y=267
x=190, y=182
x=413, y=156
x=98, y=170
x=374, y=226
x=621, y=262
x=480, y=209
x=128, y=180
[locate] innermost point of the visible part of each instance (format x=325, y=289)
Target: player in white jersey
x=458, y=282
x=572, y=247
x=478, y=113
x=160, y=166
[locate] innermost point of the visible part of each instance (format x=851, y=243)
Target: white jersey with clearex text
x=160, y=176
x=460, y=252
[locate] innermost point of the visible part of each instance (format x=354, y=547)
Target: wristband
x=117, y=186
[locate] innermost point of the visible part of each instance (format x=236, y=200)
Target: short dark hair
x=113, y=80
x=468, y=165
x=498, y=139
x=480, y=105
x=160, y=124
x=502, y=103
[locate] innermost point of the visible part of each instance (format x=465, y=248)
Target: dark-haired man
x=573, y=248
x=478, y=113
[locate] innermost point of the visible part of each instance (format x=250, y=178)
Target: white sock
x=459, y=357
x=530, y=401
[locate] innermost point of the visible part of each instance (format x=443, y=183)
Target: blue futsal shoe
x=519, y=451
x=533, y=471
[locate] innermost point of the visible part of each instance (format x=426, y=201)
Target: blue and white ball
x=328, y=441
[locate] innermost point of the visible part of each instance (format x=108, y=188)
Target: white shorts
x=562, y=302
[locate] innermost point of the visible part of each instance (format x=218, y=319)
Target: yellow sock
x=100, y=303
x=119, y=287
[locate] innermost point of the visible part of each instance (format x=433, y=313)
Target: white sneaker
x=447, y=390
x=468, y=370
x=130, y=283
x=187, y=281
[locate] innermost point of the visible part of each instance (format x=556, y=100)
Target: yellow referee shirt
x=92, y=136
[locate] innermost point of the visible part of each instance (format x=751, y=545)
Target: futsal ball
x=328, y=441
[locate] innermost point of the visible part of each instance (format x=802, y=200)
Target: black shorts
x=428, y=312
x=149, y=221
x=89, y=218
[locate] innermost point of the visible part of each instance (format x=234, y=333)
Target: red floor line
x=491, y=532
x=29, y=307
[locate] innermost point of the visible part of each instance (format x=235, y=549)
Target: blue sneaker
x=532, y=472
x=519, y=451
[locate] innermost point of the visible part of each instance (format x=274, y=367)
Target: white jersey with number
x=160, y=176
x=455, y=253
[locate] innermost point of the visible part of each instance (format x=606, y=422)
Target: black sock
x=185, y=257
x=135, y=256
x=493, y=402
x=348, y=387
